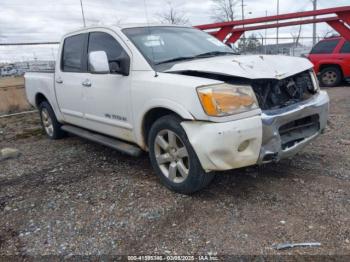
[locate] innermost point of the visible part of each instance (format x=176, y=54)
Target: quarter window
x=99, y=41
x=73, y=52
x=346, y=48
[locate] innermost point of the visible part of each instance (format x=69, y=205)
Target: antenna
x=149, y=33
x=82, y=12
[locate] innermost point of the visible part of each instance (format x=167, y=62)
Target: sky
x=48, y=20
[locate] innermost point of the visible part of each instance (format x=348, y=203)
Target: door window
x=325, y=47
x=346, y=48
x=73, y=53
x=100, y=41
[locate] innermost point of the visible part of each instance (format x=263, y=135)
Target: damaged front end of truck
x=293, y=109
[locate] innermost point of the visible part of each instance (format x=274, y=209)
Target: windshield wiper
x=204, y=55
x=175, y=60
x=213, y=53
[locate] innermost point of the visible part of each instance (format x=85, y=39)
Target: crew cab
x=181, y=95
x=331, y=58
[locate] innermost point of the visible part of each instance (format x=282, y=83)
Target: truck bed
x=40, y=82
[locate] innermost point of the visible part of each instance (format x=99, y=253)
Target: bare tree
x=296, y=36
x=328, y=33
x=224, y=10
x=172, y=15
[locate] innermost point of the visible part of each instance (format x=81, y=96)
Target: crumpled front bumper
x=313, y=114
x=271, y=136
x=228, y=145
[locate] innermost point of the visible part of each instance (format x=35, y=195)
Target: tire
x=330, y=76
x=173, y=158
x=49, y=123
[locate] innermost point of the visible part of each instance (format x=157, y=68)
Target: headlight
x=226, y=99
x=314, y=80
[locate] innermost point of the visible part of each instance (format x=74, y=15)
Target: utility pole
x=265, y=34
x=242, y=10
x=314, y=29
x=277, y=30
x=243, y=26
x=82, y=12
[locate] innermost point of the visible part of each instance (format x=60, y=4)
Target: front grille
x=296, y=131
x=274, y=94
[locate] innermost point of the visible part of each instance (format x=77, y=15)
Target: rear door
x=107, y=104
x=343, y=56
x=70, y=74
x=323, y=51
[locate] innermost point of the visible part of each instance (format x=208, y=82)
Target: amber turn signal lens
x=225, y=99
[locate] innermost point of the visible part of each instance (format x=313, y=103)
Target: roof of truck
x=135, y=25
x=120, y=27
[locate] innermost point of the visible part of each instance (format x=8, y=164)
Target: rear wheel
x=173, y=157
x=49, y=121
x=330, y=76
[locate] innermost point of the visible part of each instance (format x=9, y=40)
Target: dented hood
x=247, y=66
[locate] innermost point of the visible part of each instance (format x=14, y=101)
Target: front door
x=107, y=97
x=70, y=73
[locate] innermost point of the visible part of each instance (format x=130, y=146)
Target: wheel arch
x=325, y=65
x=39, y=98
x=150, y=117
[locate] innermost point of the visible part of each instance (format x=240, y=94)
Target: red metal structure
x=229, y=32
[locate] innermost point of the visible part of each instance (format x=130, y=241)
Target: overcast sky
x=48, y=20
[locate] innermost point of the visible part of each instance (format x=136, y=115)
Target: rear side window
x=100, y=41
x=346, y=48
x=325, y=47
x=73, y=53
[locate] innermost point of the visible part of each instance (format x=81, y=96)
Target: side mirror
x=124, y=64
x=98, y=62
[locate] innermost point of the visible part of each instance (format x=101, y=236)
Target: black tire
x=57, y=132
x=196, y=178
x=330, y=76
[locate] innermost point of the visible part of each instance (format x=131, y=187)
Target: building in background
x=290, y=49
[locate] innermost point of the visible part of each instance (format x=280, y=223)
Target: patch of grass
x=32, y=132
x=11, y=81
x=13, y=100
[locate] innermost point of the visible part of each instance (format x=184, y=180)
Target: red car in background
x=331, y=57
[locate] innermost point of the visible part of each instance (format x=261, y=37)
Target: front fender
x=158, y=103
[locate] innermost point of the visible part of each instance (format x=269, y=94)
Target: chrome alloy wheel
x=172, y=156
x=47, y=122
x=329, y=77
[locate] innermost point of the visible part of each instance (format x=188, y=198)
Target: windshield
x=160, y=45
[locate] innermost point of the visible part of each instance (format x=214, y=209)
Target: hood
x=247, y=66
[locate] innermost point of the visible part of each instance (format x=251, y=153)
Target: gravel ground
x=75, y=197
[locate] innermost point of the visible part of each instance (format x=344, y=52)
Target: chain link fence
x=258, y=44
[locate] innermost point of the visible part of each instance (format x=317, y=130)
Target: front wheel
x=173, y=157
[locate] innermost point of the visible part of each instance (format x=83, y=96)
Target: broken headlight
x=314, y=81
x=226, y=99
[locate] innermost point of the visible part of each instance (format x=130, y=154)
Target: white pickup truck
x=183, y=96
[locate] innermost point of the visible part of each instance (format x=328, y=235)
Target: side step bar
x=114, y=143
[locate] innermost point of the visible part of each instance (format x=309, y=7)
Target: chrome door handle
x=59, y=81
x=86, y=83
